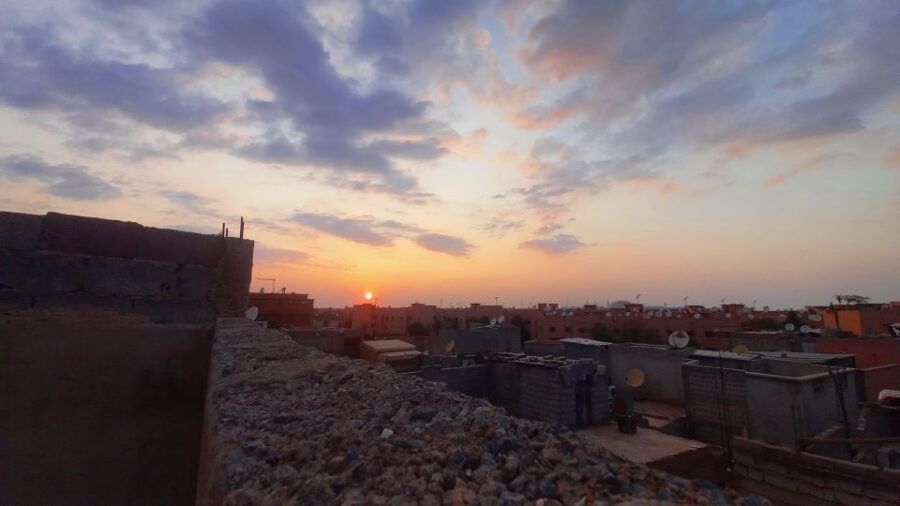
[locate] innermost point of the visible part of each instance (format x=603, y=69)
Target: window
x=568, y=330
x=551, y=329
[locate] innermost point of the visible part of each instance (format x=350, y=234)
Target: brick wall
x=703, y=401
x=798, y=478
x=168, y=275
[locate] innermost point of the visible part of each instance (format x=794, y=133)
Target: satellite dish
x=782, y=316
x=727, y=315
x=789, y=327
x=751, y=316
x=679, y=339
x=627, y=313
x=815, y=317
x=493, y=321
x=635, y=378
x=765, y=308
x=804, y=329
x=697, y=316
x=668, y=314
x=501, y=319
x=741, y=348
x=251, y=313
x=608, y=314
x=450, y=346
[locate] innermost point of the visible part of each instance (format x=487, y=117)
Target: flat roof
x=585, y=341
x=386, y=345
x=391, y=356
x=647, y=445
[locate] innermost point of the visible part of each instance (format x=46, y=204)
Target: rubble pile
x=293, y=424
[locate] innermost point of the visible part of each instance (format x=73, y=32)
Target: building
x=398, y=354
x=280, y=309
x=776, y=401
x=477, y=340
x=861, y=319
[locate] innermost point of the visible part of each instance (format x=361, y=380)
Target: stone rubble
x=296, y=426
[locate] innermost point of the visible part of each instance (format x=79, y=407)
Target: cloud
x=499, y=227
x=190, y=201
x=442, y=243
x=327, y=113
x=656, y=81
x=364, y=230
x=377, y=232
x=38, y=73
x=558, y=244
x=267, y=255
x=74, y=182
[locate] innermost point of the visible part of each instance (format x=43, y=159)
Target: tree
x=601, y=333
x=416, y=329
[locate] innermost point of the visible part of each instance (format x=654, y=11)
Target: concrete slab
x=644, y=447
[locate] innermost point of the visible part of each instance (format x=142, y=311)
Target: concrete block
x=14, y=299
x=19, y=231
x=38, y=271
x=819, y=492
x=175, y=310
x=89, y=236
x=846, y=484
x=852, y=500
x=779, y=480
x=743, y=458
x=130, y=277
x=180, y=247
x=116, y=303
x=194, y=281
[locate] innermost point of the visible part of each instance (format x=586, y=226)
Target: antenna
x=679, y=339
x=251, y=313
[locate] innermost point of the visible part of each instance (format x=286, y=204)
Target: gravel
x=294, y=425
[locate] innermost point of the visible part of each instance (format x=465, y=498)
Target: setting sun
x=368, y=295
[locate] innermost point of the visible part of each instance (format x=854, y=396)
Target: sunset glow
x=451, y=152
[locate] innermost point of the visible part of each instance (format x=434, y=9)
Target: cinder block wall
x=703, y=402
x=789, y=477
x=167, y=275
x=470, y=380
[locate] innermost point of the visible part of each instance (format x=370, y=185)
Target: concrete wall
x=703, y=404
x=786, y=408
x=543, y=348
x=471, y=380
x=478, y=340
x=789, y=477
x=661, y=366
x=170, y=276
x=98, y=412
x=538, y=393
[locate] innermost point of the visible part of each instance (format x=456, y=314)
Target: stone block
x=130, y=277
x=89, y=236
x=19, y=231
x=38, y=271
x=852, y=499
x=194, y=281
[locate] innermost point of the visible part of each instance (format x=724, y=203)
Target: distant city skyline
x=461, y=151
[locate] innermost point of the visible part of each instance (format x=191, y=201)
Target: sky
x=452, y=152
